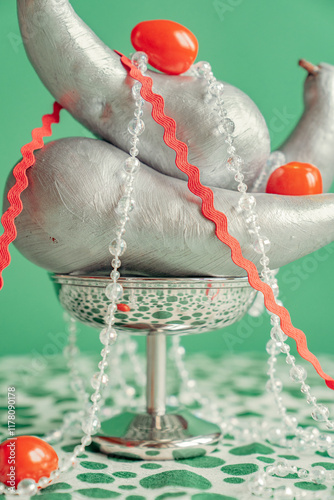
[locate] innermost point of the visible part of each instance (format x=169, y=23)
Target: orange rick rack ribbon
x=219, y=218
x=14, y=194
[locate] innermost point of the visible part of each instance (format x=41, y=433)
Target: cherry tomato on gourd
x=295, y=179
x=31, y=457
x=170, y=47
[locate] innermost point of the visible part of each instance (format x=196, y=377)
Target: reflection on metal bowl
x=171, y=305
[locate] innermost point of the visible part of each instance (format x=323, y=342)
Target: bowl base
x=175, y=435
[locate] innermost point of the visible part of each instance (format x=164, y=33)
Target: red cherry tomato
x=170, y=47
x=295, y=179
x=123, y=307
x=26, y=457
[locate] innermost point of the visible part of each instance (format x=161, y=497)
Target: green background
x=253, y=44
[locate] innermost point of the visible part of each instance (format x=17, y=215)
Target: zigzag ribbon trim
x=219, y=218
x=14, y=194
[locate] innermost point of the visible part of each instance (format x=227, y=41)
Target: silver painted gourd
x=68, y=216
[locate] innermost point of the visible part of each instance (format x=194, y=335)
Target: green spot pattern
x=206, y=462
x=211, y=496
x=234, y=480
x=182, y=478
x=98, y=493
x=250, y=449
x=151, y=466
x=325, y=465
x=54, y=496
x=93, y=465
x=289, y=457
x=175, y=494
x=240, y=469
x=223, y=474
x=152, y=453
x=56, y=486
x=135, y=497
x=266, y=460
x=125, y=474
x=95, y=478
x=304, y=485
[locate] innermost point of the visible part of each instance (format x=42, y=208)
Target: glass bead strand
x=114, y=292
x=247, y=204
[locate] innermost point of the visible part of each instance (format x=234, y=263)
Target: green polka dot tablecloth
x=237, y=383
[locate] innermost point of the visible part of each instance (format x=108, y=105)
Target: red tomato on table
x=26, y=457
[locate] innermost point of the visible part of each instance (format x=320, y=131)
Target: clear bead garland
x=305, y=438
x=265, y=484
x=247, y=202
x=187, y=392
x=123, y=393
x=71, y=353
x=131, y=348
x=261, y=243
x=114, y=292
x=259, y=484
x=310, y=437
x=77, y=384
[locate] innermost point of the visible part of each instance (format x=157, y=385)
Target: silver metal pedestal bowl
x=157, y=307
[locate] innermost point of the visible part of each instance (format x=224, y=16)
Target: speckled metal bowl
x=171, y=305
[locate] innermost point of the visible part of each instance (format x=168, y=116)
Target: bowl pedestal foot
x=160, y=433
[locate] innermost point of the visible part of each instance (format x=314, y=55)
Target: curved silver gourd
x=87, y=78
x=312, y=141
x=69, y=207
x=69, y=218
